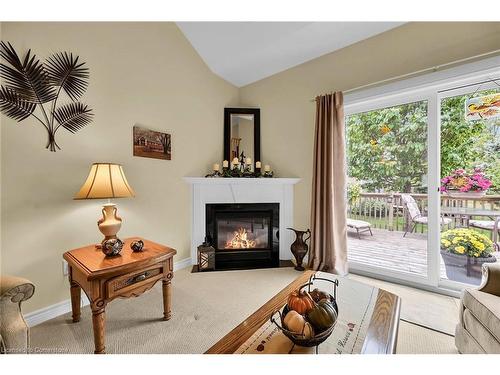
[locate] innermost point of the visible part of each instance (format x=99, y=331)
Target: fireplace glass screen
x=236, y=232
x=244, y=235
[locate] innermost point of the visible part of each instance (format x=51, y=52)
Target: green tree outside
x=387, y=148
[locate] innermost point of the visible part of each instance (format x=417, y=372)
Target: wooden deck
x=390, y=250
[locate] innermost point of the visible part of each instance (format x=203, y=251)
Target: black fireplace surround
x=244, y=235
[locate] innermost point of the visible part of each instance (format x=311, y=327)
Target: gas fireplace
x=244, y=235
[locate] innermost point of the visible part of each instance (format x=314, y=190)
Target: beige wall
x=147, y=73
x=144, y=73
x=287, y=115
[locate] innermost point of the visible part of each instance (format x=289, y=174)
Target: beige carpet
x=413, y=339
x=432, y=310
x=205, y=307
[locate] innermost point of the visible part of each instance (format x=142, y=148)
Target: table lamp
x=106, y=181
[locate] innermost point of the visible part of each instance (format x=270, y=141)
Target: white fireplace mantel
x=241, y=190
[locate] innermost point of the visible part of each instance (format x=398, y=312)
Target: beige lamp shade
x=105, y=180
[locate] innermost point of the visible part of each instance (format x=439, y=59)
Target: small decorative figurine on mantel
x=242, y=161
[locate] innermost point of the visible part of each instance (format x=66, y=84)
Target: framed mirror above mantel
x=242, y=133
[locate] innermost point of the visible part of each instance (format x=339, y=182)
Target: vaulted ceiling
x=245, y=52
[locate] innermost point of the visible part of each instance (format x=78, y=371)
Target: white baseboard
x=50, y=312
x=182, y=264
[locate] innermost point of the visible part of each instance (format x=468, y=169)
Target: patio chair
x=415, y=214
x=485, y=224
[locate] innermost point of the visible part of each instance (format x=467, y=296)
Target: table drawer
x=124, y=283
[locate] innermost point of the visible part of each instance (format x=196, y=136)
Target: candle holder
x=213, y=174
x=216, y=171
x=240, y=168
x=236, y=172
x=248, y=171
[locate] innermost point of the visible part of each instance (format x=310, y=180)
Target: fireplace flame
x=240, y=240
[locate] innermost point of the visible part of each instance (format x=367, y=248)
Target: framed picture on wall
x=151, y=143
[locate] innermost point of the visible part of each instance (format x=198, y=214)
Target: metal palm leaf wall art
x=32, y=88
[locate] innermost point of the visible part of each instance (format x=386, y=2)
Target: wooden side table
x=126, y=275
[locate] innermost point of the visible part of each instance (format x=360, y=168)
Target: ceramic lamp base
x=110, y=223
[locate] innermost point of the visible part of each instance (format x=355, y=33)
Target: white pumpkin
x=296, y=323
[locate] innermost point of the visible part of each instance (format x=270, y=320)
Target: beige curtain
x=328, y=206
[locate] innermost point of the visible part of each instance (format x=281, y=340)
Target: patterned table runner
x=356, y=302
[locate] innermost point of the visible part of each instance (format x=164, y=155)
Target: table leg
x=98, y=321
x=167, y=299
x=76, y=293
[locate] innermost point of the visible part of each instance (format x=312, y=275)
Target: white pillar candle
x=258, y=165
x=248, y=161
x=267, y=168
x=236, y=161
x=225, y=164
x=216, y=167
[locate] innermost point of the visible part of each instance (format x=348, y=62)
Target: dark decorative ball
x=137, y=245
x=112, y=247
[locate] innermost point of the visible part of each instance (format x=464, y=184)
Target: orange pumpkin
x=300, y=301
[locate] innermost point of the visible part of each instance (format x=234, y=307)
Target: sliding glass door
x=470, y=181
x=387, y=189
x=424, y=181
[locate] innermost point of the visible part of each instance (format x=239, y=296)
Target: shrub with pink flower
x=462, y=181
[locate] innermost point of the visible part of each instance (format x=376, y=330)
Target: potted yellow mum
x=464, y=251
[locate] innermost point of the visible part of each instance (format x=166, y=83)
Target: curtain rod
x=433, y=69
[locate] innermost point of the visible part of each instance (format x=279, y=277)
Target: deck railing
x=388, y=211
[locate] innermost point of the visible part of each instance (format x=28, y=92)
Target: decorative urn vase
x=299, y=247
x=110, y=223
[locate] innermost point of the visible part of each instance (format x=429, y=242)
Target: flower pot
x=464, y=268
x=465, y=194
